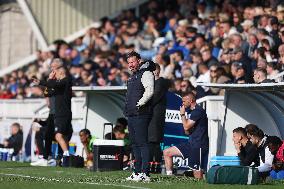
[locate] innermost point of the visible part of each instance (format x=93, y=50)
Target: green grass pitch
x=15, y=175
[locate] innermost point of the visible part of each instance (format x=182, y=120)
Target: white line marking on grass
x=53, y=179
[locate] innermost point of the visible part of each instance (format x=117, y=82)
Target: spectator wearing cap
x=260, y=76
x=238, y=73
x=238, y=56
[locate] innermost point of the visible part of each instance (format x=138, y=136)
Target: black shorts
x=193, y=154
x=63, y=125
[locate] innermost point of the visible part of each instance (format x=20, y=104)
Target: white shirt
x=148, y=84
x=203, y=78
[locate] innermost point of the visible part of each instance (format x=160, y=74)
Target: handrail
x=281, y=74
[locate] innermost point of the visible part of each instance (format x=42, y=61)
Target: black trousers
x=138, y=134
x=49, y=135
x=155, y=152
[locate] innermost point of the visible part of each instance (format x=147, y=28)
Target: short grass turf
x=15, y=175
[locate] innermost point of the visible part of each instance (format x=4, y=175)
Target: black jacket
x=63, y=94
x=156, y=126
x=249, y=155
x=16, y=142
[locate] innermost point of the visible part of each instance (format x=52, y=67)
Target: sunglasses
x=213, y=71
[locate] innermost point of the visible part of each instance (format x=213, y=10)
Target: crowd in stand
x=210, y=41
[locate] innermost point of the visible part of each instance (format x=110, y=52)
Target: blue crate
x=224, y=160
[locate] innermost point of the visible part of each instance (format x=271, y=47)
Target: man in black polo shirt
x=245, y=149
x=62, y=84
x=196, y=125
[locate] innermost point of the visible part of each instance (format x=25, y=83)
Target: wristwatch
x=182, y=115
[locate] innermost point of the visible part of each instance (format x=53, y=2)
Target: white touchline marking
x=53, y=179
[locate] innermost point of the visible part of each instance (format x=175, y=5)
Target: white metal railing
x=279, y=75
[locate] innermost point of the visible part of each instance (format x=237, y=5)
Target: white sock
x=169, y=172
x=66, y=153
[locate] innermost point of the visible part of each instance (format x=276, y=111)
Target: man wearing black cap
x=238, y=56
x=138, y=109
x=238, y=73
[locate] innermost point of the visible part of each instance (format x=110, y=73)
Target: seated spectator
x=250, y=128
x=237, y=55
x=272, y=71
x=246, y=151
x=217, y=75
x=204, y=77
x=276, y=147
x=122, y=121
x=258, y=138
x=87, y=140
x=15, y=141
x=260, y=76
x=238, y=73
x=119, y=132
x=207, y=57
x=186, y=86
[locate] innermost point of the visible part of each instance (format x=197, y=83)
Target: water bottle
x=1, y=154
x=157, y=167
x=21, y=157
x=10, y=154
x=163, y=169
x=151, y=167
x=5, y=154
